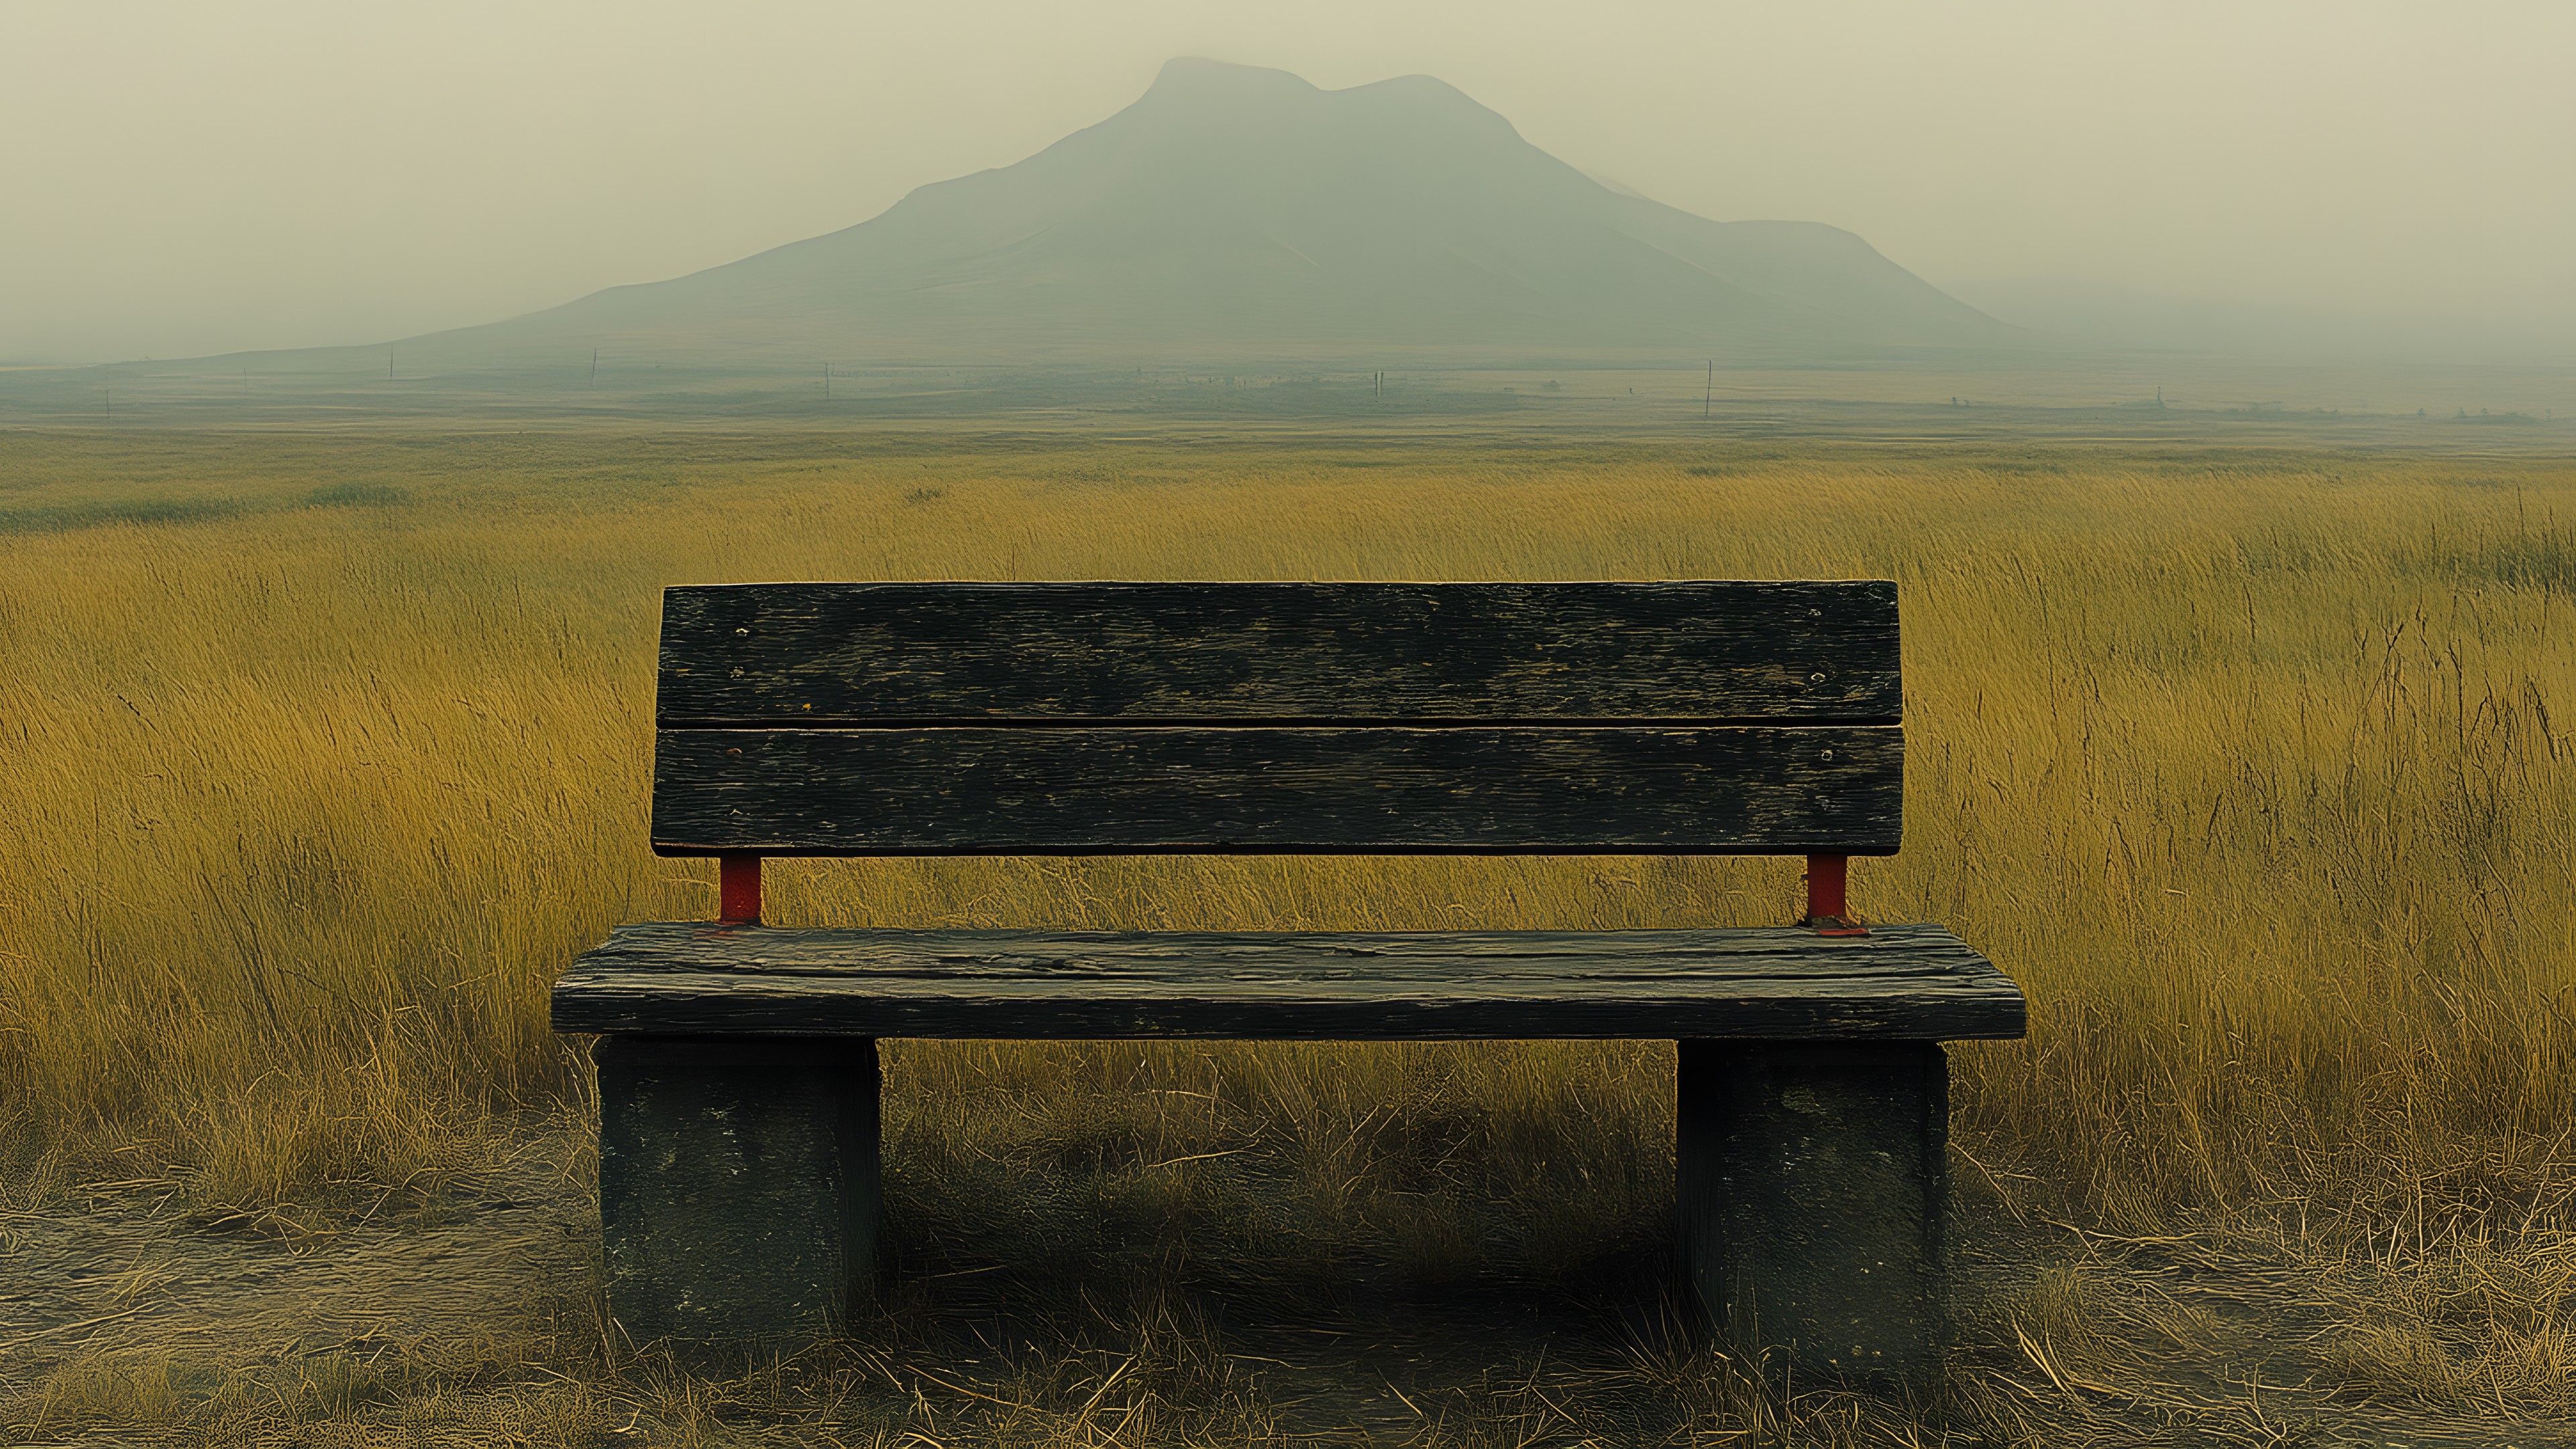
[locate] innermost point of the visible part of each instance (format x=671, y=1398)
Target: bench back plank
x=866, y=719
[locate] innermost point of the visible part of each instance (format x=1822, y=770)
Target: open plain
x=2250, y=751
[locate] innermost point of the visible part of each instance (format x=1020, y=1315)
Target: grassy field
x=320, y=755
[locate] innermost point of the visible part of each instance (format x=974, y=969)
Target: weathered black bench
x=738, y=1071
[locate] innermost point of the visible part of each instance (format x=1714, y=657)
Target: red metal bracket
x=1827, y=915
x=738, y=895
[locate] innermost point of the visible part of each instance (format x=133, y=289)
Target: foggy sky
x=182, y=179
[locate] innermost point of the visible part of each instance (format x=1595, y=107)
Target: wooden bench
x=738, y=1073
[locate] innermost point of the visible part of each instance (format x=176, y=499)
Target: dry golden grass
x=319, y=757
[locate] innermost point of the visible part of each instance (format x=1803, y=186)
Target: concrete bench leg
x=1813, y=1183
x=737, y=1187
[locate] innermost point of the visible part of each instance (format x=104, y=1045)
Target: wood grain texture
x=1123, y=790
x=1911, y=983
x=1815, y=651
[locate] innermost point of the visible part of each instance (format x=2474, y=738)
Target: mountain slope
x=1242, y=213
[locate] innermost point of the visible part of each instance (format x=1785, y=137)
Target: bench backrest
x=1131, y=718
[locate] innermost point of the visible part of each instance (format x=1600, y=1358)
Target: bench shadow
x=1382, y=1273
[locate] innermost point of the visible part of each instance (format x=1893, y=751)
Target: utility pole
x=1377, y=384
x=827, y=382
x=1708, y=398
x=111, y=407
x=389, y=362
x=594, y=367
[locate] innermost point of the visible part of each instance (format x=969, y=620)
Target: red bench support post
x=1827, y=915
x=738, y=894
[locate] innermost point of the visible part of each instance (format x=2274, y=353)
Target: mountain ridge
x=1240, y=212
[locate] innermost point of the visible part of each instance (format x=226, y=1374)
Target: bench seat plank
x=1900, y=983
x=1834, y=789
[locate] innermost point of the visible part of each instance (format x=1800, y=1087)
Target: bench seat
x=1898, y=983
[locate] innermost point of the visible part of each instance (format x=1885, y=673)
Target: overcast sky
x=178, y=179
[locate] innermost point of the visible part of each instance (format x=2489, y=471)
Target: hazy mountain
x=1238, y=213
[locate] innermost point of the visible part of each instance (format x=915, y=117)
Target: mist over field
x=2383, y=181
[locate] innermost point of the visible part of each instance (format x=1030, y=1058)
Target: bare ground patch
x=475, y=1321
